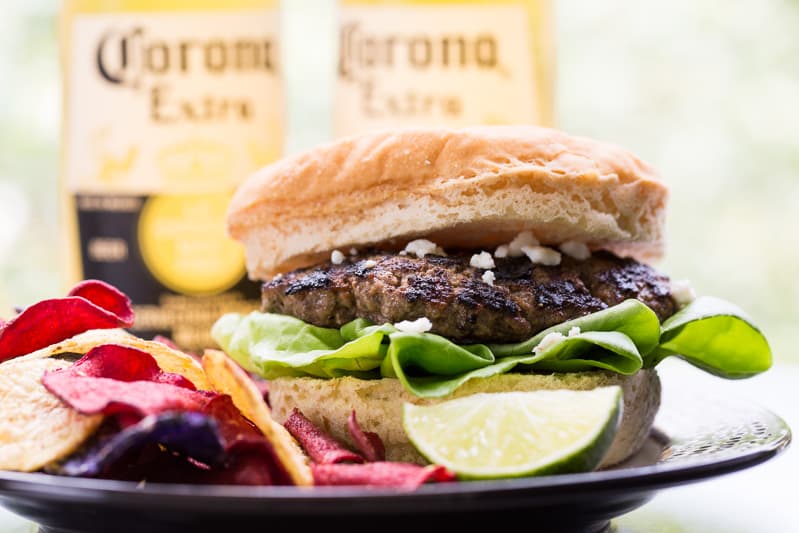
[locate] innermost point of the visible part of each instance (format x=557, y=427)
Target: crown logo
x=195, y=161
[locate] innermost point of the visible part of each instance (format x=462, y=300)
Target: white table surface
x=761, y=499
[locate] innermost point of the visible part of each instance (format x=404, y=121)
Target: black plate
x=689, y=445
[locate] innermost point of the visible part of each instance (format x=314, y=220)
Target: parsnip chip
x=228, y=378
x=168, y=359
x=79, y=344
x=36, y=428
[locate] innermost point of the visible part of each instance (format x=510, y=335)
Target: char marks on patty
x=525, y=298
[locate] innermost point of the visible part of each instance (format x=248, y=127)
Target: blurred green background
x=706, y=91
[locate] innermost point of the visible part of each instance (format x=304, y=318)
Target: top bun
x=461, y=188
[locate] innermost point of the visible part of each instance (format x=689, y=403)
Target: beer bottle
x=443, y=62
x=168, y=105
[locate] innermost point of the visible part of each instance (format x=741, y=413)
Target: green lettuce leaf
x=717, y=337
x=610, y=350
x=631, y=317
x=273, y=345
x=709, y=333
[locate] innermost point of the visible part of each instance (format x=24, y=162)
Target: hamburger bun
x=462, y=188
x=378, y=405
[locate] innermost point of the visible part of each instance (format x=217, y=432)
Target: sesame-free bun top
x=470, y=188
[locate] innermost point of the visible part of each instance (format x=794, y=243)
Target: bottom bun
x=378, y=405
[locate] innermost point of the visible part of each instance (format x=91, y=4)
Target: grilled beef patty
x=524, y=299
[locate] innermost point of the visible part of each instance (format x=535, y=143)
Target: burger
x=422, y=264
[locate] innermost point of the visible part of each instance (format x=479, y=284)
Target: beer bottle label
x=165, y=114
x=437, y=64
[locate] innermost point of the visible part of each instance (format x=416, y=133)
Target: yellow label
x=442, y=63
x=184, y=245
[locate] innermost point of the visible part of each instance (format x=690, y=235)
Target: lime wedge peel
x=517, y=434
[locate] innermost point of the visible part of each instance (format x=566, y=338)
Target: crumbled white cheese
x=575, y=249
x=420, y=325
x=574, y=331
x=482, y=260
x=488, y=277
x=501, y=251
x=369, y=263
x=682, y=292
x=336, y=257
x=542, y=255
x=549, y=340
x=522, y=240
x=353, y=251
x=422, y=247
x=277, y=276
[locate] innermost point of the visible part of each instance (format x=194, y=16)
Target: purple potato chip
x=193, y=435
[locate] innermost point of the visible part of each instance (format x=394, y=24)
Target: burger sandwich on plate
x=424, y=264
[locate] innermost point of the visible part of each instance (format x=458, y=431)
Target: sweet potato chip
x=36, y=428
x=321, y=447
x=168, y=359
x=380, y=474
x=226, y=377
x=91, y=305
x=163, y=339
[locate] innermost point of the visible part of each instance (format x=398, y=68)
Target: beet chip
x=153, y=464
x=91, y=304
x=369, y=443
x=123, y=363
x=106, y=297
x=320, y=447
x=380, y=474
x=233, y=426
x=113, y=379
x=250, y=457
x=109, y=396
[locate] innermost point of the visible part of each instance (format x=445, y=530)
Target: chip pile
x=79, y=396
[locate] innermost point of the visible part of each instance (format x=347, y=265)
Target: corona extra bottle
x=443, y=62
x=168, y=105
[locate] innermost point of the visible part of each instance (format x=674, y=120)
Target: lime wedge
x=515, y=434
